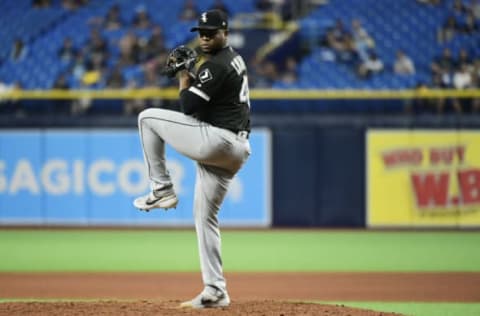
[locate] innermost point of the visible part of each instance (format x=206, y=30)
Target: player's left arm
x=185, y=80
x=207, y=83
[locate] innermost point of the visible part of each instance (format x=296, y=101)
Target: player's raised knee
x=145, y=113
x=150, y=113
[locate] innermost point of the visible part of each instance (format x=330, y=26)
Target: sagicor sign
x=90, y=177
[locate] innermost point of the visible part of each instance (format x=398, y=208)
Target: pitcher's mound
x=167, y=308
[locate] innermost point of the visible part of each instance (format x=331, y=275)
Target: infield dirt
x=252, y=293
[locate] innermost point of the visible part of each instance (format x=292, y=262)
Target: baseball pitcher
x=213, y=130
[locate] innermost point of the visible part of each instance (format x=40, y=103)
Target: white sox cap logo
x=204, y=17
x=205, y=76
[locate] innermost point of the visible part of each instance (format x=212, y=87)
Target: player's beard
x=206, y=48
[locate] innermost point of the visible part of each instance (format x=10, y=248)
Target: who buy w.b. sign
x=423, y=178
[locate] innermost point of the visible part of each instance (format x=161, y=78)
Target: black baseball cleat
x=163, y=197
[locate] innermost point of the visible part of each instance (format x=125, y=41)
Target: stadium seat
x=399, y=24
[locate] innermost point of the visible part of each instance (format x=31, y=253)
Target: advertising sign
x=90, y=177
x=423, y=178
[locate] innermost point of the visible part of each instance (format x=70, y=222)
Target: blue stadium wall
x=318, y=173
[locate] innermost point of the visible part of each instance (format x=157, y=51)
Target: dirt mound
x=147, y=307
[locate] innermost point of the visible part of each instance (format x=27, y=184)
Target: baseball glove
x=180, y=58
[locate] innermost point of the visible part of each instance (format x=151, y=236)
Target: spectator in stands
x=289, y=74
x=156, y=45
x=220, y=5
x=462, y=78
x=476, y=85
x=113, y=19
x=142, y=55
x=152, y=79
x=79, y=67
x=430, y=2
x=153, y=75
x=362, y=40
x=470, y=26
x=340, y=41
x=95, y=55
x=475, y=8
x=446, y=78
x=459, y=9
x=443, y=64
x=464, y=59
x=94, y=72
x=441, y=81
x=189, y=11
x=73, y=4
x=96, y=47
x=116, y=80
x=448, y=30
x=141, y=19
x=129, y=49
x=67, y=52
x=337, y=36
x=373, y=65
x=41, y=4
x=403, y=64
x=448, y=73
x=152, y=69
x=19, y=50
x=348, y=54
x=150, y=74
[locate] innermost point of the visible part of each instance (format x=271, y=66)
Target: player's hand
x=180, y=58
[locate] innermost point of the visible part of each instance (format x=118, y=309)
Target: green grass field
x=273, y=250
x=420, y=309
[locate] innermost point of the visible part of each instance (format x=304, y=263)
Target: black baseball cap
x=211, y=20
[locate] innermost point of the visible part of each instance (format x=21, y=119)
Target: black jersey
x=219, y=95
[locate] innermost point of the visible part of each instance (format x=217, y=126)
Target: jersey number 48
x=239, y=65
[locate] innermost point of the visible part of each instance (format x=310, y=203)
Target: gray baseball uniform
x=212, y=130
